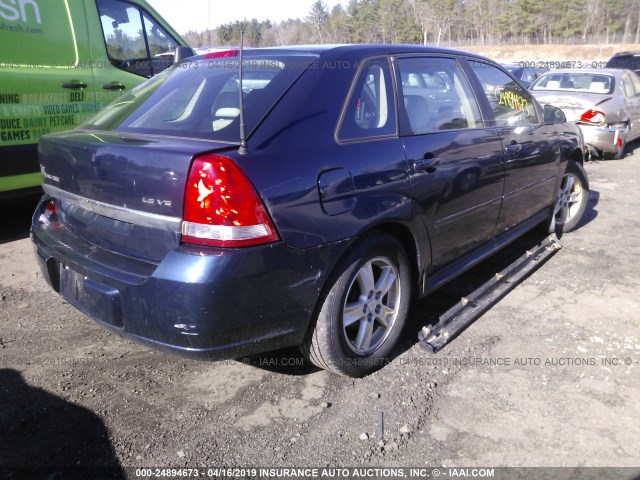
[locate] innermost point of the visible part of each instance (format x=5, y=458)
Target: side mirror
x=553, y=115
x=183, y=53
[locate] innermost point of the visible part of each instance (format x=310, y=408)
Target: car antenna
x=243, y=150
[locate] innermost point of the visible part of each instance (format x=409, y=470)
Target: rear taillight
x=592, y=116
x=221, y=207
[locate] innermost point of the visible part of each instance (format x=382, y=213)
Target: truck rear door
x=46, y=83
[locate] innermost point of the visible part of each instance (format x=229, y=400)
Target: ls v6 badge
x=155, y=201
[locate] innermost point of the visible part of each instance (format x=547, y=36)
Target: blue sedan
x=300, y=197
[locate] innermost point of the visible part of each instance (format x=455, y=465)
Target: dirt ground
x=550, y=376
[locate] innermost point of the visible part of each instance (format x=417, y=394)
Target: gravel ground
x=548, y=377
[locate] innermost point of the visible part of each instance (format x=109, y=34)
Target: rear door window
x=441, y=100
x=370, y=110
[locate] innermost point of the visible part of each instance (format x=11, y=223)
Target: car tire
x=363, y=310
x=571, y=200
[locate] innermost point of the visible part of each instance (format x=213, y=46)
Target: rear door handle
x=74, y=85
x=113, y=86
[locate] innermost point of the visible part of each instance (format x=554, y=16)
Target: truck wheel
x=364, y=309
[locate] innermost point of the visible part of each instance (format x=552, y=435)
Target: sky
x=188, y=15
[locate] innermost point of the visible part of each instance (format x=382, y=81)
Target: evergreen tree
x=440, y=22
x=318, y=17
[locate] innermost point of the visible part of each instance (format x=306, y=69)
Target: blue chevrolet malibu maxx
x=366, y=175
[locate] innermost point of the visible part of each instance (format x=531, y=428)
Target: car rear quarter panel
x=295, y=147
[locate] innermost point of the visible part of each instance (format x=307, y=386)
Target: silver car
x=605, y=103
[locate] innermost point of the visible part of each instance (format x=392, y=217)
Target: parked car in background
x=63, y=60
x=605, y=103
x=526, y=75
x=166, y=224
x=625, y=61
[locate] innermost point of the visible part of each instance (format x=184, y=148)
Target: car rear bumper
x=197, y=302
x=604, y=139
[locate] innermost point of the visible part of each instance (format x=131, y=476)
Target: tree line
x=442, y=22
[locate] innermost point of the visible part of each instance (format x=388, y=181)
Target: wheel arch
x=315, y=339
x=578, y=156
x=404, y=235
x=407, y=239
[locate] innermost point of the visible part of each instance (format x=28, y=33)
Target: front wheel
x=571, y=200
x=363, y=312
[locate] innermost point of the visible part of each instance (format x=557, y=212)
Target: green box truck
x=63, y=60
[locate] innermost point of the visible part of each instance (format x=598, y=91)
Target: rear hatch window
x=200, y=98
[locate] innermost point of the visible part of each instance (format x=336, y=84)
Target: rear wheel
x=363, y=312
x=571, y=200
